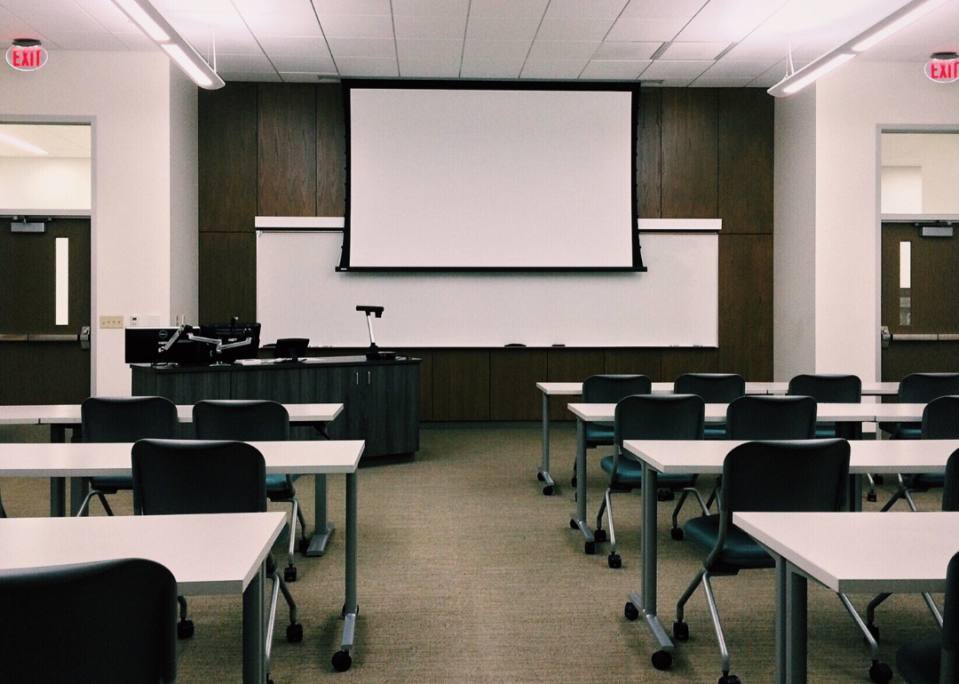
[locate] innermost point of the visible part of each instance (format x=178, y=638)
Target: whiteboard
x=675, y=303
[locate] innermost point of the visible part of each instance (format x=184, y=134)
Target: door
x=42, y=357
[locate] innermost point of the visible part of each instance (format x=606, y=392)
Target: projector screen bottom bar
x=489, y=269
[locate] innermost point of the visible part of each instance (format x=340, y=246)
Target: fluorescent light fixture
x=16, y=142
x=797, y=80
x=151, y=22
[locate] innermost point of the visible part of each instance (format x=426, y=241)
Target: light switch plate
x=111, y=322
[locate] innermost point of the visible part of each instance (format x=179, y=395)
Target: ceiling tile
x=306, y=76
x=496, y=50
x=429, y=68
x=426, y=50
x=728, y=69
x=618, y=50
x=364, y=7
x=677, y=11
x=664, y=69
x=563, y=49
x=164, y=6
x=561, y=28
x=665, y=82
x=365, y=67
x=320, y=62
x=356, y=26
x=502, y=27
x=728, y=20
x=430, y=28
x=703, y=82
x=586, y=9
x=300, y=24
x=553, y=68
x=679, y=50
x=362, y=48
x=87, y=41
x=136, y=41
x=107, y=15
x=648, y=30
x=247, y=63
x=293, y=46
x=63, y=16
x=257, y=76
x=507, y=8
x=623, y=70
x=431, y=8
x=491, y=68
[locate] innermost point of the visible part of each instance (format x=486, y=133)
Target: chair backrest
x=291, y=347
x=127, y=419
x=714, y=388
x=111, y=621
x=940, y=418
x=765, y=417
x=245, y=420
x=609, y=389
x=786, y=476
x=950, y=491
x=921, y=388
x=831, y=389
x=191, y=476
x=950, y=624
x=659, y=416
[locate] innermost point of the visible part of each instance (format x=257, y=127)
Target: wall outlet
x=111, y=322
x=134, y=321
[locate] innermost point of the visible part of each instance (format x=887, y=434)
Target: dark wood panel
x=513, y=377
x=648, y=362
x=903, y=358
x=746, y=118
x=426, y=379
x=330, y=151
x=649, y=169
x=892, y=235
x=679, y=361
x=191, y=387
x=43, y=373
x=286, y=150
x=227, y=276
x=746, y=306
x=690, y=153
x=226, y=158
x=461, y=384
x=571, y=365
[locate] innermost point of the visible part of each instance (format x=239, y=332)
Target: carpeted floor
x=468, y=573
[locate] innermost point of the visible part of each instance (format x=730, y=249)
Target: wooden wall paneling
x=690, y=153
x=426, y=379
x=679, y=361
x=746, y=306
x=649, y=170
x=647, y=361
x=513, y=377
x=461, y=384
x=226, y=158
x=227, y=277
x=745, y=182
x=286, y=149
x=330, y=151
x=892, y=235
x=903, y=358
x=571, y=365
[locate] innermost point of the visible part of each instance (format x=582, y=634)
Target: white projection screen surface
x=479, y=178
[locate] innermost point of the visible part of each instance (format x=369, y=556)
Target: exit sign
x=26, y=57
x=943, y=70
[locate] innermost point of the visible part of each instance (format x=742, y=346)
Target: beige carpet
x=468, y=573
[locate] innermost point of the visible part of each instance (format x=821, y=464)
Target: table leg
x=254, y=644
x=322, y=528
x=781, y=612
x=855, y=493
x=578, y=520
x=58, y=485
x=645, y=603
x=795, y=625
x=543, y=474
x=350, y=607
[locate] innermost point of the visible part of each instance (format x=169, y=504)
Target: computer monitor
x=146, y=345
x=231, y=333
x=291, y=348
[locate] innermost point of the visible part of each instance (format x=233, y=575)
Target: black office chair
x=940, y=420
x=936, y=660
x=648, y=416
x=920, y=388
x=761, y=476
x=714, y=388
x=827, y=389
x=293, y=348
x=174, y=477
x=254, y=420
x=106, y=622
x=608, y=389
x=123, y=419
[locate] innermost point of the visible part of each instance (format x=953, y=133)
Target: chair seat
x=740, y=551
x=715, y=431
x=277, y=487
x=923, y=481
x=599, y=434
x=825, y=430
x=630, y=473
x=918, y=661
x=111, y=485
x=902, y=430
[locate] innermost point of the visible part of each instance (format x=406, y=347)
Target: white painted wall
x=794, y=236
x=44, y=183
x=128, y=99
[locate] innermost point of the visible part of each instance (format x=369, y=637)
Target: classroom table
x=80, y=459
x=62, y=416
x=706, y=457
x=848, y=553
x=575, y=389
x=207, y=554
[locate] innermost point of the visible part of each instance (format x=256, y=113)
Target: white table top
x=869, y=389
x=207, y=554
x=862, y=552
x=109, y=460
x=868, y=456
x=716, y=413
x=69, y=414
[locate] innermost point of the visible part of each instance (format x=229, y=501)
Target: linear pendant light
x=152, y=23
x=875, y=34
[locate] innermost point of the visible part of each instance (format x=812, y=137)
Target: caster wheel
x=303, y=545
x=874, y=630
x=342, y=661
x=184, y=629
x=871, y=497
x=880, y=673
x=662, y=660
x=599, y=535
x=677, y=533
x=614, y=561
x=289, y=574
x=878, y=479
x=681, y=631
x=573, y=525
x=665, y=495
x=729, y=679
x=631, y=611
x=294, y=633
x=547, y=490
x=590, y=548
x=573, y=481
x=269, y=680
x=539, y=476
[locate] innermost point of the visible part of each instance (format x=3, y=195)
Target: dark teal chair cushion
x=918, y=661
x=740, y=550
x=599, y=434
x=276, y=484
x=111, y=485
x=630, y=474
